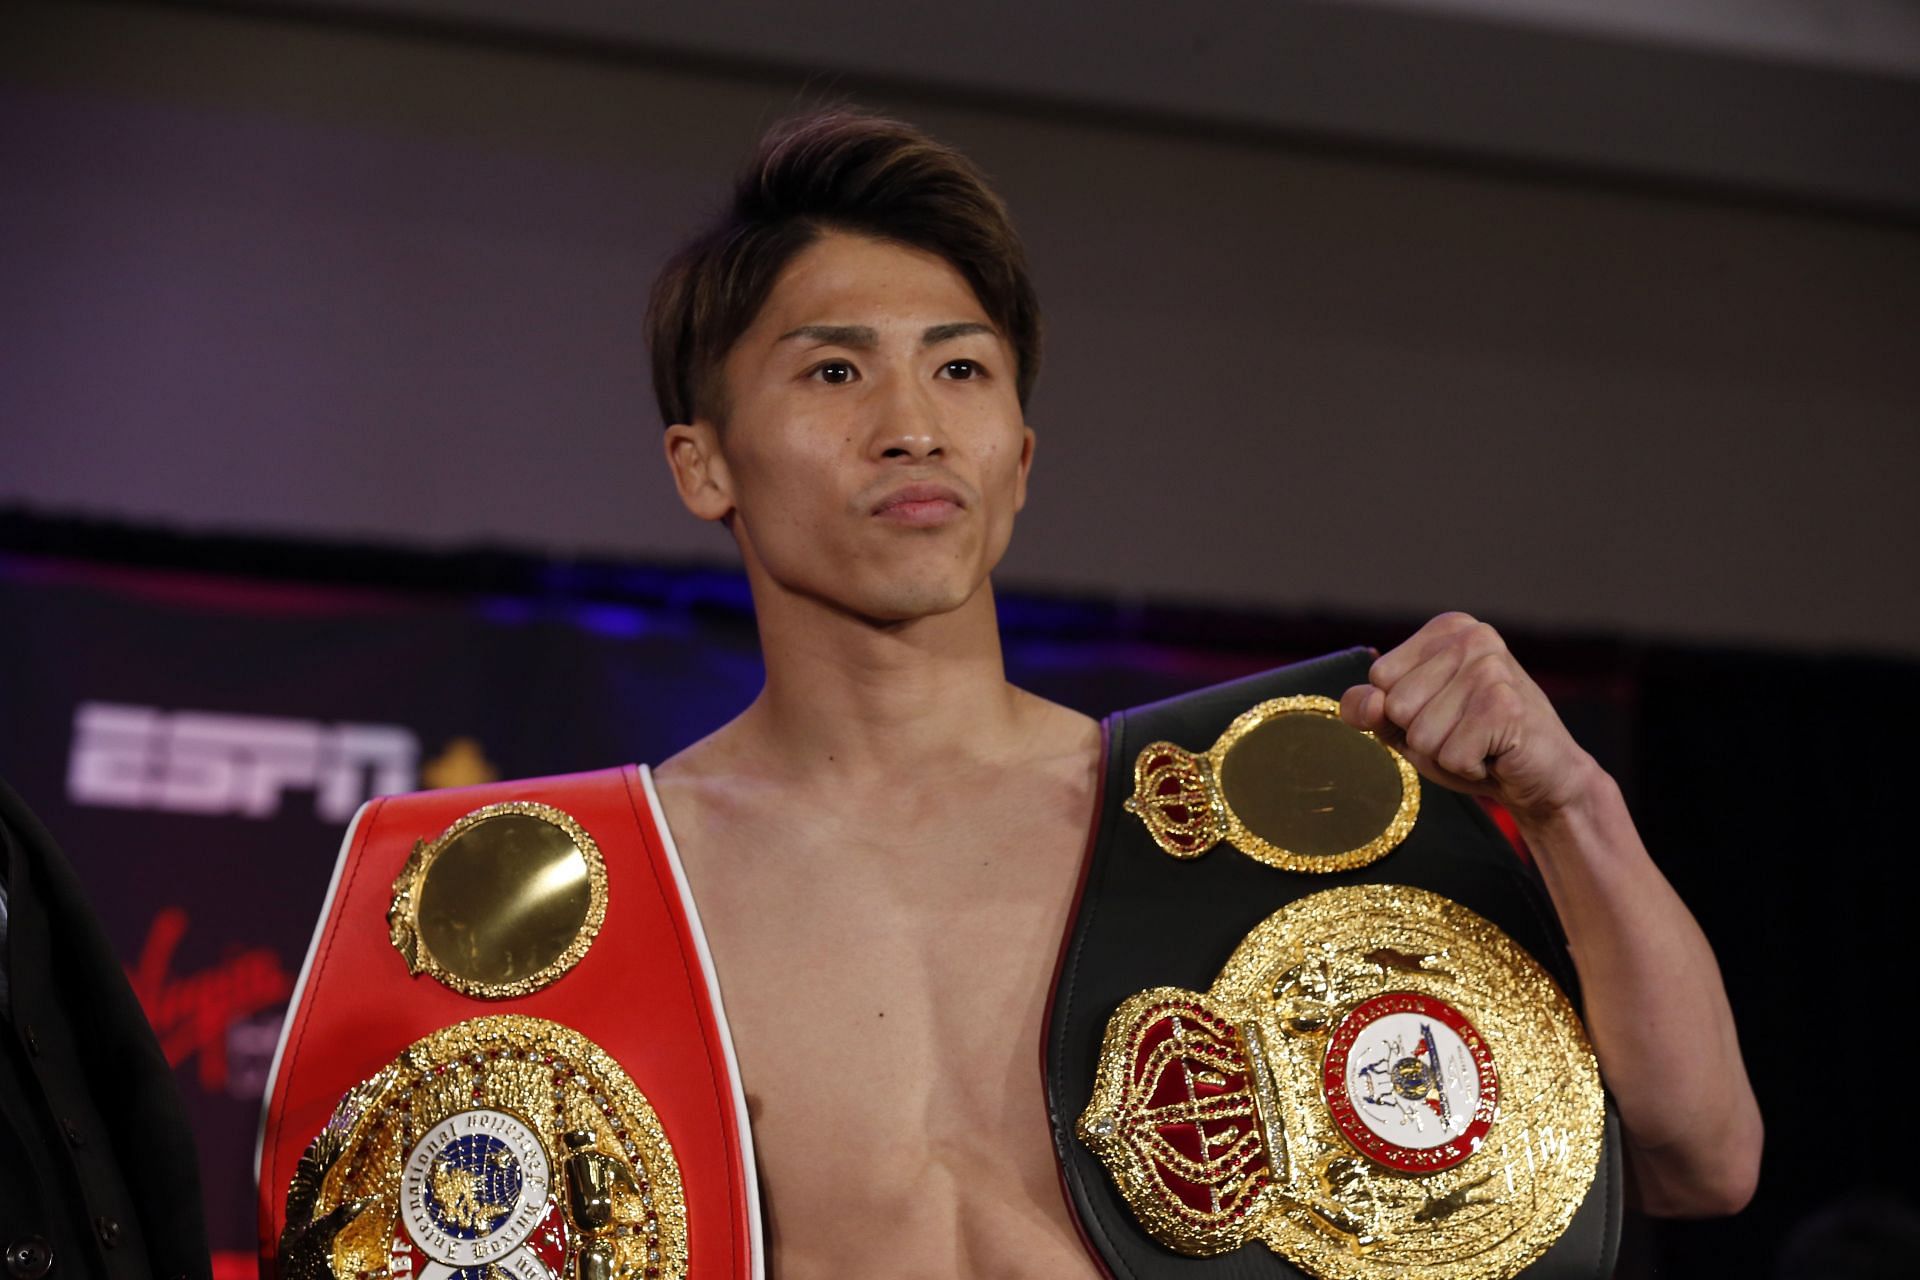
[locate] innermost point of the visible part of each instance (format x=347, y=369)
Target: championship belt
x=506, y=1055
x=1313, y=1017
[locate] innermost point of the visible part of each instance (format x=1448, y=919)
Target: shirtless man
x=885, y=844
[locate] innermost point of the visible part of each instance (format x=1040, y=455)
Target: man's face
x=874, y=451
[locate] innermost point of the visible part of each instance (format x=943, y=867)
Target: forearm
x=1656, y=1009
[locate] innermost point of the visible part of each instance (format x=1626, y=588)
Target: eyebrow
x=865, y=337
x=960, y=329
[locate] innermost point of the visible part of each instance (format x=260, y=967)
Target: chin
x=912, y=604
x=908, y=599
x=906, y=584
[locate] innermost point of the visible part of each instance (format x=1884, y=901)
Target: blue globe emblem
x=473, y=1186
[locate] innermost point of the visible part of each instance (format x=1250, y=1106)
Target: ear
x=699, y=470
x=1026, y=465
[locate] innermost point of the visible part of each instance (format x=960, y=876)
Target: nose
x=910, y=428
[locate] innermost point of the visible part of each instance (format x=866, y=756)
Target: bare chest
x=886, y=982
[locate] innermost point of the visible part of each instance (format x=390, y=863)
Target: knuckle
x=1401, y=705
x=1500, y=700
x=1424, y=738
x=1485, y=639
x=1490, y=667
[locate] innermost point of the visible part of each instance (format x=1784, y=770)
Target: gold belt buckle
x=1379, y=1083
x=499, y=1148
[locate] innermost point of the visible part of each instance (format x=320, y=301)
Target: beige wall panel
x=300, y=280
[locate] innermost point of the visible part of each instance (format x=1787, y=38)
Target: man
x=885, y=844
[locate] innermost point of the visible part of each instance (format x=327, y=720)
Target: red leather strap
x=640, y=993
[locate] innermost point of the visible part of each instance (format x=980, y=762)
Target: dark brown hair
x=835, y=170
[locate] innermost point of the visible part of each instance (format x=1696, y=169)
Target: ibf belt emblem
x=474, y=1193
x=1379, y=1083
x=500, y=1148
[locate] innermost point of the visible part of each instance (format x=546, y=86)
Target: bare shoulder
x=680, y=777
x=699, y=762
x=1059, y=733
x=712, y=794
x=1035, y=791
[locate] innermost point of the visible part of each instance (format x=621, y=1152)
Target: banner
x=198, y=743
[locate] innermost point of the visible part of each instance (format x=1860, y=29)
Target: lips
x=921, y=504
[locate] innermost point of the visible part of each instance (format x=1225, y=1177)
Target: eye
x=834, y=372
x=961, y=370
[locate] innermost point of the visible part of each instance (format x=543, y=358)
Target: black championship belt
x=1315, y=1017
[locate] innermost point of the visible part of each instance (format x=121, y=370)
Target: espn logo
x=128, y=757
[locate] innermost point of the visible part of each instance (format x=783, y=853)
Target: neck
x=847, y=695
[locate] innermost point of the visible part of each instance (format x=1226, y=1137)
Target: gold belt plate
x=502, y=903
x=499, y=1148
x=1379, y=1083
x=1288, y=783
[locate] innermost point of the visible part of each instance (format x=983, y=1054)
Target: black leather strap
x=1135, y=928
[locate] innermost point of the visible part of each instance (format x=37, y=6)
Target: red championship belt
x=507, y=1054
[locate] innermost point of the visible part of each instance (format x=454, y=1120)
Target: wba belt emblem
x=1379, y=1083
x=500, y=1148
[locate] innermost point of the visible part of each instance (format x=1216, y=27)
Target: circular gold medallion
x=503, y=903
x=1288, y=783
